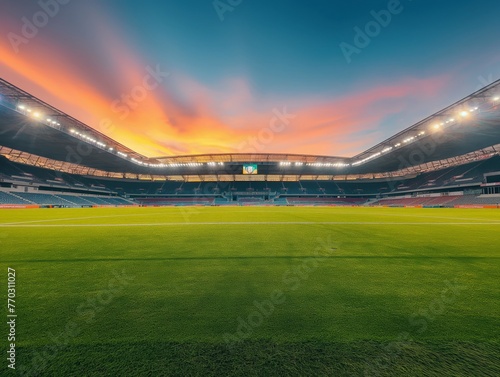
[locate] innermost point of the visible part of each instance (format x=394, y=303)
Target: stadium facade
x=48, y=158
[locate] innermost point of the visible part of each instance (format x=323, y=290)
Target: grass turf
x=196, y=291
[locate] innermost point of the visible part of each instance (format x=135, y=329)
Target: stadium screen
x=250, y=169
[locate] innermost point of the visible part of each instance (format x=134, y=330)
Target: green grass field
x=251, y=291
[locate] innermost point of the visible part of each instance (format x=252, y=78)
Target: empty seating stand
x=181, y=201
x=42, y=199
x=325, y=201
x=60, y=200
x=12, y=199
x=440, y=201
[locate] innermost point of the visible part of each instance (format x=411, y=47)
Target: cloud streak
x=186, y=116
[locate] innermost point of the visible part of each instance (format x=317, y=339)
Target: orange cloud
x=183, y=116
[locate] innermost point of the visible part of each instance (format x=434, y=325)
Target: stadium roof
x=30, y=125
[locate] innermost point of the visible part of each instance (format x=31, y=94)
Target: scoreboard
x=250, y=169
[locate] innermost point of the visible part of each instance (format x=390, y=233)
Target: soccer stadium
x=450, y=159
x=248, y=262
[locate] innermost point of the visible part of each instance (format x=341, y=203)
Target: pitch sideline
x=246, y=223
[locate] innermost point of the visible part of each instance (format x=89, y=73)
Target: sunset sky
x=225, y=71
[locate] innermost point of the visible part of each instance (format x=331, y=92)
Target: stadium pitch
x=254, y=291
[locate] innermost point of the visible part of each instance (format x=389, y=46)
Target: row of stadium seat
x=464, y=174
x=222, y=193
x=183, y=201
x=442, y=201
x=173, y=201
x=326, y=201
x=66, y=200
x=7, y=198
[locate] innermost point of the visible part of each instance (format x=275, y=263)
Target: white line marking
x=193, y=211
x=82, y=218
x=182, y=212
x=239, y=223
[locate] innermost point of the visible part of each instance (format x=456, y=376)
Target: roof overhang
x=28, y=124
